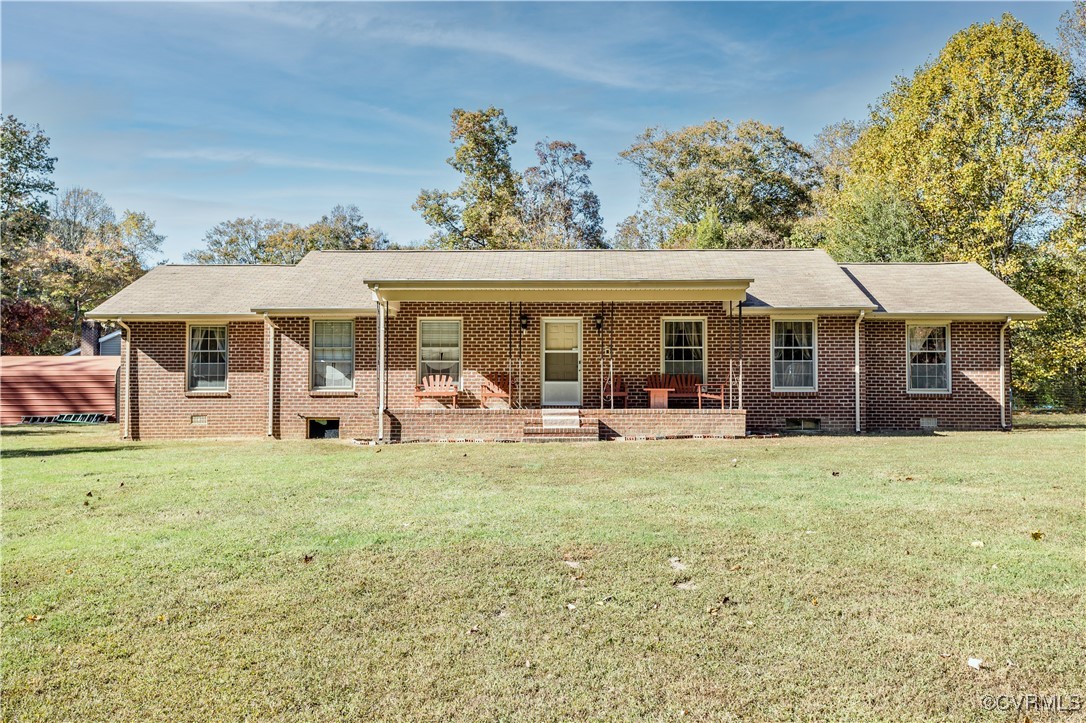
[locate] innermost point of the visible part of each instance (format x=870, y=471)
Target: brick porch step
x=561, y=425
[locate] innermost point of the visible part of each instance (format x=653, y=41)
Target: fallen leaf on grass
x=735, y=568
x=570, y=606
x=1037, y=535
x=814, y=601
x=944, y=655
x=307, y=558
x=474, y=630
x=33, y=618
x=835, y=473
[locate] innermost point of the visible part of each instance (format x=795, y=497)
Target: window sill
x=929, y=392
x=332, y=393
x=219, y=393
x=794, y=391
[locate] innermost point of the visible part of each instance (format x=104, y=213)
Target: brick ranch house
x=338, y=345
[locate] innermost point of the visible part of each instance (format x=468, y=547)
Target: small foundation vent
x=929, y=424
x=199, y=420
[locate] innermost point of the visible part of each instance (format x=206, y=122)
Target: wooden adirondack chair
x=614, y=389
x=712, y=391
x=437, y=386
x=497, y=386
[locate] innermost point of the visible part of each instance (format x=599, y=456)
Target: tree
x=87, y=256
x=1072, y=33
x=271, y=241
x=25, y=186
x=870, y=223
x=239, y=241
x=483, y=212
x=982, y=142
x=642, y=230
x=28, y=326
x=560, y=209
x=758, y=180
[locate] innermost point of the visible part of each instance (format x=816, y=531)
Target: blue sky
x=197, y=113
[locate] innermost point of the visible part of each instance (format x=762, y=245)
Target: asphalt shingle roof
x=194, y=290
x=782, y=279
x=945, y=289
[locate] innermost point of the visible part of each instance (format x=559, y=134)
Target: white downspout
x=1003, y=374
x=856, y=369
x=380, y=366
x=126, y=430
x=271, y=373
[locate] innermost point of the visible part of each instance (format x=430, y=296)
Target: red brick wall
x=161, y=406
x=973, y=401
x=164, y=409
x=834, y=402
x=486, y=345
x=296, y=402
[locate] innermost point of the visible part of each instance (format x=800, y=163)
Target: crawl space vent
x=929, y=423
x=323, y=429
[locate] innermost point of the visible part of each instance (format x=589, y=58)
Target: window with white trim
x=439, y=348
x=684, y=347
x=207, y=358
x=929, y=358
x=333, y=355
x=794, y=363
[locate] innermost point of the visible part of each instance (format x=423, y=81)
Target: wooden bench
x=661, y=388
x=497, y=386
x=685, y=385
x=613, y=389
x=437, y=386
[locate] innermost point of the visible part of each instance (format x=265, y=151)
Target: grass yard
x=804, y=577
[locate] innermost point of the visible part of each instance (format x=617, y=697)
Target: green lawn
x=817, y=577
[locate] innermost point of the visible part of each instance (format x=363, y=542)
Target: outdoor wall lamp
x=524, y=322
x=598, y=318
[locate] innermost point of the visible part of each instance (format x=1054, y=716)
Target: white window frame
x=418, y=345
x=188, y=358
x=354, y=340
x=704, y=342
x=813, y=321
x=909, y=359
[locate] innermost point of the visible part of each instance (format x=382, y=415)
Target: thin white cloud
x=275, y=160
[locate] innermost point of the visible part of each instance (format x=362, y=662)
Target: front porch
x=519, y=425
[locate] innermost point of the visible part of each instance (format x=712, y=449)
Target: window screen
x=684, y=347
x=793, y=355
x=333, y=354
x=207, y=357
x=439, y=348
x=928, y=367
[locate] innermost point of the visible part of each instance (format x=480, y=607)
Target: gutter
x=1003, y=374
x=126, y=430
x=856, y=369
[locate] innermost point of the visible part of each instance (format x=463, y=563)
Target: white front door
x=562, y=362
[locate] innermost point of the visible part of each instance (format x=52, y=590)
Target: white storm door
x=562, y=362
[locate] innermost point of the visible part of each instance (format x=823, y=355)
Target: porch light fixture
x=523, y=322
x=598, y=318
